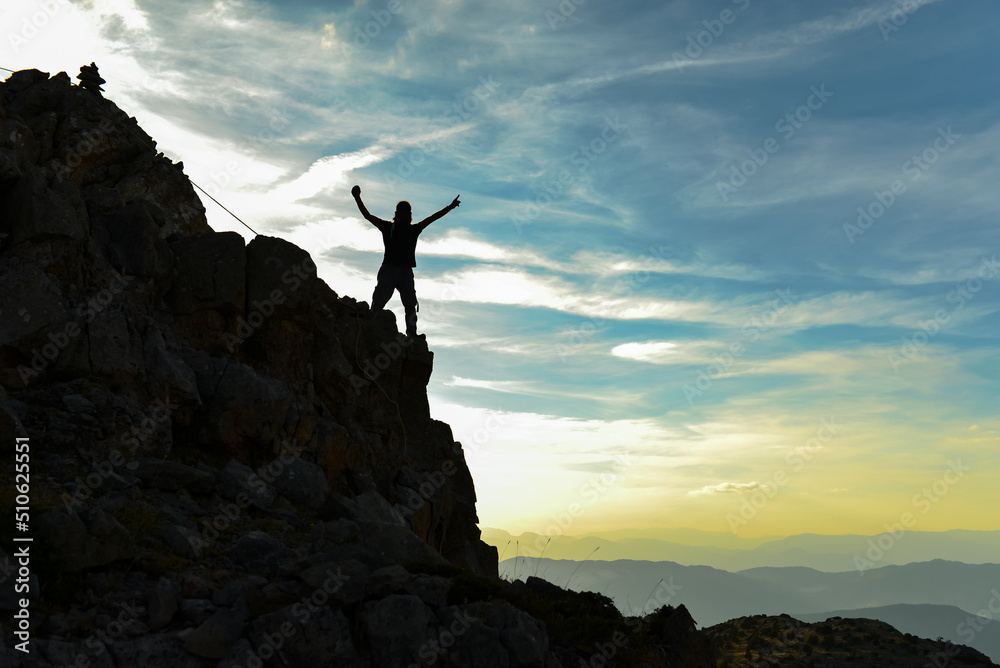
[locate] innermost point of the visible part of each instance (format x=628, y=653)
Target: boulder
x=214, y=637
x=208, y=294
x=346, y=581
x=400, y=630
x=373, y=543
x=162, y=603
x=78, y=542
x=525, y=638
x=171, y=476
x=238, y=479
x=38, y=206
x=211, y=274
x=298, y=480
x=258, y=553
x=184, y=541
x=308, y=634
x=158, y=649
x=281, y=278
x=242, y=410
x=134, y=246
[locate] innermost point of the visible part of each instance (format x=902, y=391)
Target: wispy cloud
x=728, y=488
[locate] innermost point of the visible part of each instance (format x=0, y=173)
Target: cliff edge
x=230, y=463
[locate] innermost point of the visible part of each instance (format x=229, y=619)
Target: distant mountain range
x=729, y=552
x=713, y=595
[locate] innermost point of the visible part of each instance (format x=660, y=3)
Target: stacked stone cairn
x=90, y=79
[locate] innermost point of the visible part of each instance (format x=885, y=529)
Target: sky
x=725, y=265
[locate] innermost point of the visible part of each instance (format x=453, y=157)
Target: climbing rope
x=223, y=207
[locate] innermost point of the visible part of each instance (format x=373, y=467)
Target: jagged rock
x=524, y=637
x=243, y=410
x=395, y=579
x=400, y=630
x=115, y=349
x=215, y=636
x=162, y=603
x=676, y=631
x=77, y=403
x=307, y=634
x=58, y=652
x=281, y=278
x=171, y=476
x=230, y=594
x=167, y=373
x=9, y=171
x=183, y=541
x=78, y=542
x=372, y=506
x=237, y=478
x=195, y=610
x=31, y=306
x=209, y=293
x=40, y=206
x=300, y=481
x=346, y=581
x=157, y=180
x=153, y=650
x=465, y=640
x=258, y=552
x=134, y=246
x=101, y=200
x=375, y=543
x=194, y=586
x=211, y=274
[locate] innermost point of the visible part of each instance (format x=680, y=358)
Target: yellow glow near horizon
x=827, y=483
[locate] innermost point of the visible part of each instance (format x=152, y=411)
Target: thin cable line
x=223, y=207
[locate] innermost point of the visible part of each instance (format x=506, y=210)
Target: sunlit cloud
x=728, y=488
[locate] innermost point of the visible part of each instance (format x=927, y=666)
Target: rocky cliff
x=230, y=464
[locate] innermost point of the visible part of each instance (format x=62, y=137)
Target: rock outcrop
x=784, y=641
x=231, y=464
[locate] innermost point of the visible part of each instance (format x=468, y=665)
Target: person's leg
x=383, y=289
x=408, y=295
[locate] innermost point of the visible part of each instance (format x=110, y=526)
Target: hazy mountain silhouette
x=714, y=595
x=732, y=553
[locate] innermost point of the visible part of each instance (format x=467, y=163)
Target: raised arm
x=430, y=219
x=356, y=191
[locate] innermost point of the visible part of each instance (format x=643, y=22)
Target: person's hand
x=455, y=202
x=356, y=191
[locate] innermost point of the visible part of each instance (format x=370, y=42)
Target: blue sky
x=692, y=235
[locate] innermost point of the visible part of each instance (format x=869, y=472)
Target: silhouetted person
x=396, y=272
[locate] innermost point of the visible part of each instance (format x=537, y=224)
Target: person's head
x=403, y=214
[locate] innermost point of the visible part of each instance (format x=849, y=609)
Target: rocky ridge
x=763, y=640
x=232, y=465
